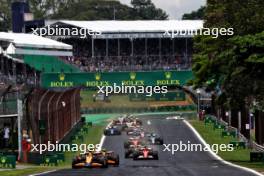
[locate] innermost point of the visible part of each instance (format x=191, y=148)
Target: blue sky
x=176, y=8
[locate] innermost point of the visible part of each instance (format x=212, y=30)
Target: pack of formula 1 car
x=138, y=145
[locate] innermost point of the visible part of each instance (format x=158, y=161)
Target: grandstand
x=122, y=46
x=23, y=58
x=131, y=45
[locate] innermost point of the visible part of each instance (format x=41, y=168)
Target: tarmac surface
x=179, y=164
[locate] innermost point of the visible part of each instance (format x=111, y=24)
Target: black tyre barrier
x=121, y=110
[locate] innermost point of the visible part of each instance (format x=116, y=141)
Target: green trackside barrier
x=77, y=138
x=151, y=109
x=184, y=108
x=81, y=131
x=76, y=132
x=218, y=126
x=238, y=144
x=72, y=138
x=84, y=130
x=60, y=157
x=229, y=133
x=207, y=117
x=256, y=156
x=209, y=120
x=80, y=137
x=49, y=160
x=8, y=161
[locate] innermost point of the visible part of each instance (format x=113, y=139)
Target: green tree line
x=232, y=66
x=85, y=10
x=226, y=60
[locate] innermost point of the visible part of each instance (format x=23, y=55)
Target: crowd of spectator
x=136, y=63
x=141, y=55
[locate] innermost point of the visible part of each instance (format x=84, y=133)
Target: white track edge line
x=103, y=139
x=215, y=155
x=42, y=173
x=101, y=143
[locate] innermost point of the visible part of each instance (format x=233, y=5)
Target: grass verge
x=239, y=156
x=26, y=171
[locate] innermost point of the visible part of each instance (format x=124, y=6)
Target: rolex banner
x=155, y=78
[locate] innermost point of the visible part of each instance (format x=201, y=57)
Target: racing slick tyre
x=104, y=163
x=106, y=133
x=118, y=132
x=139, y=122
x=126, y=145
x=160, y=142
x=74, y=162
x=135, y=156
x=124, y=127
x=117, y=161
x=155, y=155
x=127, y=153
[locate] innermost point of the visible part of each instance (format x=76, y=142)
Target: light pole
x=198, y=91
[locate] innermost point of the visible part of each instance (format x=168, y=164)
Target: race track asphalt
x=179, y=164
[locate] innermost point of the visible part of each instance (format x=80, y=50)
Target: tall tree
x=145, y=9
x=195, y=15
x=85, y=10
x=93, y=10
x=5, y=15
x=235, y=63
x=210, y=62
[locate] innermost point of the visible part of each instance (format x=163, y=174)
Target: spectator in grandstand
x=137, y=63
x=154, y=57
x=6, y=136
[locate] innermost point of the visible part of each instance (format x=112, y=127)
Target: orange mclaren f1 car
x=100, y=159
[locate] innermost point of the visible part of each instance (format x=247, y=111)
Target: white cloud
x=175, y=8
